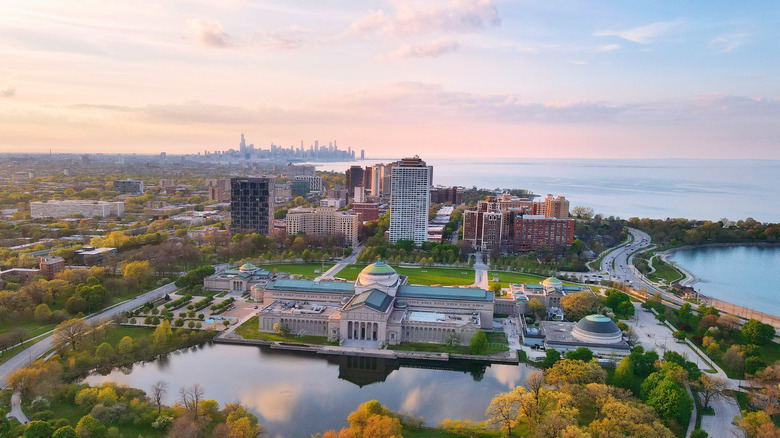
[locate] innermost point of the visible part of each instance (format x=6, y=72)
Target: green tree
x=65, y=432
x=38, y=429
x=671, y=401
x=104, y=352
x=125, y=347
x=478, y=343
x=756, y=332
x=281, y=329
x=624, y=376
x=551, y=357
x=42, y=313
x=89, y=427
x=162, y=334
x=583, y=353
x=536, y=308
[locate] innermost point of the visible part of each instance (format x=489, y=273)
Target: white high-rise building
x=324, y=222
x=409, y=200
x=68, y=208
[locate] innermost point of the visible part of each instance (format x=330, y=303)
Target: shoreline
x=691, y=279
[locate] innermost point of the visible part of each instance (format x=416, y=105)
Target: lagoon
x=742, y=275
x=295, y=395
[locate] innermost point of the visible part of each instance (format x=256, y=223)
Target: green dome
x=247, y=267
x=378, y=268
x=597, y=318
x=552, y=280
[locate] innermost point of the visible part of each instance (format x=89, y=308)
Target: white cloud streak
x=459, y=16
x=207, y=33
x=642, y=34
x=427, y=50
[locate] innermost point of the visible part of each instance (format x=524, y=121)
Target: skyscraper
x=409, y=200
x=252, y=205
x=354, y=179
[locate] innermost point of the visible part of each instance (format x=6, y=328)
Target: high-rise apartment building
x=324, y=222
x=488, y=228
x=409, y=200
x=252, y=205
x=556, y=207
x=294, y=170
x=445, y=195
x=354, y=179
x=315, y=182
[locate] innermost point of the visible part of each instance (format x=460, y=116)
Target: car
x=255, y=307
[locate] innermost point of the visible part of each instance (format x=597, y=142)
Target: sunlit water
x=693, y=189
x=743, y=275
x=297, y=395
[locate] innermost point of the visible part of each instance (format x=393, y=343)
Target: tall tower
x=409, y=200
x=242, y=146
x=252, y=205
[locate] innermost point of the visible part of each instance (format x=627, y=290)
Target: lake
x=653, y=188
x=295, y=395
x=743, y=275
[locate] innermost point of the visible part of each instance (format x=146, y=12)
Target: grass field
x=504, y=278
x=664, y=271
x=305, y=270
x=497, y=343
x=439, y=433
x=426, y=276
x=250, y=330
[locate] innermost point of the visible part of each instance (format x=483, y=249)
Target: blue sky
x=525, y=79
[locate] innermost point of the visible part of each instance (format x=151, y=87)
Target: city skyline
x=603, y=80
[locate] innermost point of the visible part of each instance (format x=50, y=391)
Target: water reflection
x=295, y=395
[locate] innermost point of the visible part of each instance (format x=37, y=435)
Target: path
x=719, y=425
x=343, y=263
x=16, y=408
x=33, y=352
x=480, y=272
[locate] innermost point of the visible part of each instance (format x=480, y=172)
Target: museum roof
x=375, y=299
x=336, y=287
x=378, y=268
x=598, y=324
x=444, y=293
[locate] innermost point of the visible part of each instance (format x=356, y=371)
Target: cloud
x=289, y=39
x=8, y=91
x=642, y=34
x=427, y=50
x=207, y=33
x=727, y=43
x=458, y=16
x=608, y=48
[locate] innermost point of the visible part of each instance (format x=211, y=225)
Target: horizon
x=602, y=80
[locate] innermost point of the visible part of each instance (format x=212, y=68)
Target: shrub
x=191, y=324
x=40, y=404
x=699, y=433
x=179, y=322
x=226, y=323
x=201, y=316
x=478, y=343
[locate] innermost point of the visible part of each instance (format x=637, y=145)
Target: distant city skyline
x=440, y=78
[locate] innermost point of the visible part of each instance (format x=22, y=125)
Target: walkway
x=33, y=352
x=16, y=408
x=335, y=269
x=480, y=272
x=719, y=425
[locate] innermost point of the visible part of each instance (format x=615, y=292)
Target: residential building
x=354, y=179
x=68, y=208
x=315, y=182
x=299, y=188
x=410, y=200
x=164, y=183
x=333, y=203
x=324, y=222
x=534, y=231
x=556, y=207
x=360, y=195
x=252, y=205
x=447, y=195
x=282, y=192
x=216, y=194
x=295, y=170
x=129, y=187
x=368, y=211
x=488, y=228
x=49, y=266
x=24, y=275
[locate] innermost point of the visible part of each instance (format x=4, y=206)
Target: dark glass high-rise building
x=354, y=179
x=252, y=205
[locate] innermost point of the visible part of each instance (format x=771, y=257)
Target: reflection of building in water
x=364, y=371
x=378, y=308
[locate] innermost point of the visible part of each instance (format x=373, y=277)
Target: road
x=26, y=356
x=480, y=272
x=618, y=264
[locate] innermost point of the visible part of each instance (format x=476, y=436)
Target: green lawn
x=426, y=432
x=664, y=271
x=497, y=343
x=250, y=330
x=73, y=414
x=117, y=333
x=303, y=269
x=505, y=278
x=421, y=275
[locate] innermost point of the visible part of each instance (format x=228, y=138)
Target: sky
x=461, y=78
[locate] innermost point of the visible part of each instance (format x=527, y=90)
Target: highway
x=617, y=263
x=29, y=354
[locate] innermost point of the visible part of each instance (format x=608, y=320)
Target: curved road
x=33, y=352
x=618, y=264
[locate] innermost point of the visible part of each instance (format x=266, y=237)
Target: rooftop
x=445, y=293
x=337, y=287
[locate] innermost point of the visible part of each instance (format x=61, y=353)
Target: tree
x=757, y=425
x=89, y=427
x=281, y=329
x=125, y=346
x=496, y=288
x=734, y=358
x=38, y=429
x=551, y=356
x=42, y=313
x=104, y=352
x=184, y=427
x=65, y=432
x=710, y=388
x=140, y=272
x=478, y=343
x=699, y=433
x=583, y=353
x=162, y=334
x=503, y=411
x=574, y=372
x=452, y=339
x=580, y=304
x=670, y=400
x=159, y=390
x=190, y=398
x=536, y=308
x=756, y=332
x=71, y=331
x=624, y=376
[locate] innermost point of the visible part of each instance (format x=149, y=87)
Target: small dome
x=597, y=328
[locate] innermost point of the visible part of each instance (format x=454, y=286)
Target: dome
x=552, y=282
x=377, y=275
x=247, y=267
x=597, y=329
